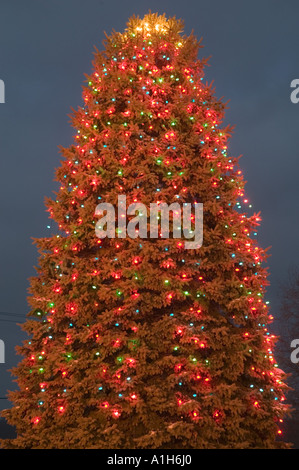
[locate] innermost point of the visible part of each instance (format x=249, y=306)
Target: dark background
x=45, y=49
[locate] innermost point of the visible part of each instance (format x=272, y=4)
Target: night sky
x=46, y=47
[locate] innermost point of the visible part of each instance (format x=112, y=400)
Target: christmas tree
x=138, y=342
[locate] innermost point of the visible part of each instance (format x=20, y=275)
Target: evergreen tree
x=139, y=342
